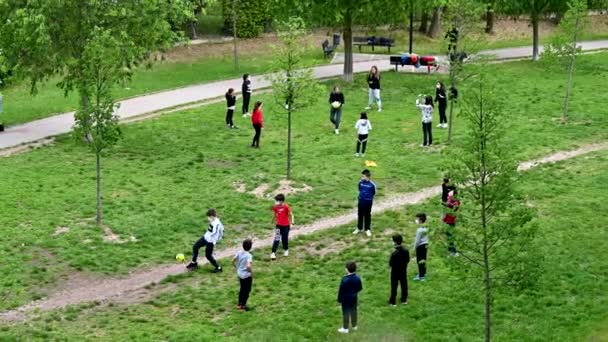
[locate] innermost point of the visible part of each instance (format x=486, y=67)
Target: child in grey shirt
x=420, y=246
x=242, y=261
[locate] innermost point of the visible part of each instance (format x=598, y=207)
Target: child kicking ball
x=281, y=218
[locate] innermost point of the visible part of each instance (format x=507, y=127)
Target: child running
x=363, y=126
x=230, y=105
x=426, y=110
x=242, y=261
x=350, y=286
x=211, y=237
x=282, y=215
x=421, y=245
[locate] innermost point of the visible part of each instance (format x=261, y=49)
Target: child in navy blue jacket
x=367, y=191
x=347, y=296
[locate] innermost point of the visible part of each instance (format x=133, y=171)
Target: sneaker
x=286, y=253
x=192, y=265
x=363, y=155
x=217, y=270
x=244, y=308
x=423, y=279
x=440, y=126
x=234, y=127
x=422, y=145
x=343, y=331
x=337, y=131
x=273, y=256
x=379, y=109
x=445, y=125
x=416, y=278
x=393, y=305
x=356, y=154
x=403, y=303
x=368, y=108
x=357, y=231
x=368, y=232
x=353, y=328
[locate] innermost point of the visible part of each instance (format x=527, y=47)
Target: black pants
x=349, y=315
x=442, y=118
x=256, y=137
x=208, y=251
x=281, y=233
x=450, y=234
x=362, y=140
x=421, y=259
x=245, y=290
x=364, y=214
x=396, y=278
x=246, y=98
x=427, y=133
x=229, y=114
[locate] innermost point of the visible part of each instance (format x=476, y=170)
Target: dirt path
x=129, y=288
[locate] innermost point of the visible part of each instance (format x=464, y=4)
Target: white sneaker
x=440, y=126
x=353, y=328
x=363, y=155
x=368, y=232
x=445, y=125
x=356, y=154
x=368, y=108
x=337, y=131
x=379, y=109
x=343, y=331
x=273, y=256
x=357, y=231
x=286, y=253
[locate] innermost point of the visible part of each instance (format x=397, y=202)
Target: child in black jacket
x=230, y=105
x=398, y=263
x=347, y=296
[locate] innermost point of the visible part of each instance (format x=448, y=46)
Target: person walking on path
x=258, y=123
x=367, y=191
x=452, y=205
x=336, y=101
x=363, y=126
x=441, y=99
x=230, y=106
x=373, y=81
x=398, y=263
x=281, y=217
x=426, y=110
x=246, y=92
x=242, y=261
x=421, y=244
x=211, y=237
x=350, y=286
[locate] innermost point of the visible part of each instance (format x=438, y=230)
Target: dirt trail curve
x=120, y=288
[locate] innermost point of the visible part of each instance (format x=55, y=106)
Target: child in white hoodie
x=211, y=237
x=363, y=126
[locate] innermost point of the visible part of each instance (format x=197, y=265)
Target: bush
x=253, y=17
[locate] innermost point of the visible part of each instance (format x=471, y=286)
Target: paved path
x=145, y=104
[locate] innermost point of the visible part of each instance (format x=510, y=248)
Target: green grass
x=165, y=172
x=294, y=299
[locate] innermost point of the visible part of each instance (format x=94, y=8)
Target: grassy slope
x=165, y=172
x=294, y=299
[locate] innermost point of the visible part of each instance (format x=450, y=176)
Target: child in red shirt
x=257, y=122
x=282, y=214
x=449, y=219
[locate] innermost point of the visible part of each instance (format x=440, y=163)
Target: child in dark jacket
x=347, y=296
x=398, y=263
x=230, y=105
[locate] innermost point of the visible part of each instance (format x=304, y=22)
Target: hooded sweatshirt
x=363, y=126
x=215, y=231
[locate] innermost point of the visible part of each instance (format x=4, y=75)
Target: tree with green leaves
x=562, y=49
x=493, y=236
x=92, y=45
x=294, y=88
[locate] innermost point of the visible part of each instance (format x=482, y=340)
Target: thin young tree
x=294, y=87
x=235, y=51
x=493, y=234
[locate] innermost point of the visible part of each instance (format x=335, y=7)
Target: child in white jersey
x=363, y=126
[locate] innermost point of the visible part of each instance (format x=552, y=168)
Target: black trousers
x=246, y=99
x=421, y=259
x=281, y=233
x=427, y=133
x=396, y=279
x=364, y=215
x=362, y=141
x=256, y=137
x=245, y=290
x=442, y=118
x=349, y=315
x=450, y=234
x=229, y=114
x=208, y=251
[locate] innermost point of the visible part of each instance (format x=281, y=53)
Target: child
x=452, y=205
x=211, y=237
x=242, y=261
x=335, y=114
x=282, y=213
x=373, y=81
x=258, y=122
x=350, y=286
x=442, y=101
x=363, y=126
x=246, y=91
x=398, y=263
x=426, y=110
x=230, y=105
x=367, y=191
x=421, y=245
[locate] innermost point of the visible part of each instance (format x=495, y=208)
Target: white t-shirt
x=363, y=126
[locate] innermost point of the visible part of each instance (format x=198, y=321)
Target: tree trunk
x=424, y=22
x=98, y=217
x=450, y=120
x=435, y=23
x=411, y=30
x=535, y=52
x=289, y=142
x=234, y=36
x=451, y=114
x=490, y=19
x=192, y=29
x=483, y=174
x=488, y=291
x=348, y=46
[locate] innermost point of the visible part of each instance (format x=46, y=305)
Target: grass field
x=294, y=298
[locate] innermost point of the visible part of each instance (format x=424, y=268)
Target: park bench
x=373, y=42
x=329, y=49
x=428, y=61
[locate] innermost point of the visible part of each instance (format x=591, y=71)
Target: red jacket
x=256, y=117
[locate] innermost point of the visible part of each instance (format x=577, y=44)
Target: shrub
x=253, y=17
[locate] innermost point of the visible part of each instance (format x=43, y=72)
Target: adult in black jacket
x=335, y=113
x=441, y=99
x=398, y=263
x=246, y=92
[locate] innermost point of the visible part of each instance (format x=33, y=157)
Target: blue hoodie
x=349, y=288
x=367, y=190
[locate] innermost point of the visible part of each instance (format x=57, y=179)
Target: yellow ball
x=180, y=257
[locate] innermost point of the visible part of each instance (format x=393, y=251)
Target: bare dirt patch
x=61, y=230
x=285, y=187
x=111, y=237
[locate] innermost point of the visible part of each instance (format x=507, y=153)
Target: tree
x=563, y=48
x=494, y=236
x=490, y=15
x=294, y=88
x=92, y=45
x=435, y=27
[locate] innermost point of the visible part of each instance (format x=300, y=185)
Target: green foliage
x=562, y=46
x=252, y=16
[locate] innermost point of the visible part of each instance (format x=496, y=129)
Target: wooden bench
x=373, y=42
x=427, y=61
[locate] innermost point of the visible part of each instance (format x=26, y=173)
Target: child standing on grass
x=441, y=98
x=363, y=126
x=281, y=217
x=258, y=122
x=398, y=263
x=211, y=237
x=373, y=81
x=230, y=106
x=367, y=191
x=242, y=261
x=350, y=286
x=335, y=113
x=246, y=92
x=426, y=110
x=421, y=245
x=452, y=205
